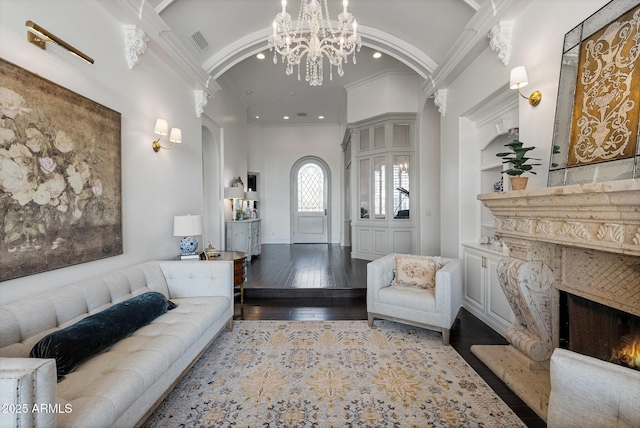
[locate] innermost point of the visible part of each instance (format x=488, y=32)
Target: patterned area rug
x=331, y=374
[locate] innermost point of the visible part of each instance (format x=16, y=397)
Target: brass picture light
x=39, y=37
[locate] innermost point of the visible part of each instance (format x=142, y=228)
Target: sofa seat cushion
x=422, y=299
x=114, y=379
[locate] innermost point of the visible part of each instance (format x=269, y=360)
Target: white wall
x=534, y=45
x=429, y=172
x=230, y=114
x=273, y=150
x=388, y=93
x=155, y=186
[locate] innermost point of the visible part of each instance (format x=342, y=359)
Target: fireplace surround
x=582, y=239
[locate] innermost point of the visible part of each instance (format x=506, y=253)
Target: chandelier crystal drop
x=315, y=38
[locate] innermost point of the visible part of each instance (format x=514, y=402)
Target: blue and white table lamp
x=188, y=226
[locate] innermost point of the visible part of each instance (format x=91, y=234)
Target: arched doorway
x=310, y=181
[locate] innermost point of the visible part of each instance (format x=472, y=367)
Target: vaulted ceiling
x=219, y=39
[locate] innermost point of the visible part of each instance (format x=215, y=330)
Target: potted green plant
x=517, y=157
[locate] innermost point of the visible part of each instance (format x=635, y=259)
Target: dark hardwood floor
x=307, y=282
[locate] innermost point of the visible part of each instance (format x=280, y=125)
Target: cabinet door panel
x=241, y=241
x=473, y=279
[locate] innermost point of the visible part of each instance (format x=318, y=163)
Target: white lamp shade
x=161, y=127
x=187, y=225
x=518, y=78
x=234, y=193
x=176, y=135
x=251, y=196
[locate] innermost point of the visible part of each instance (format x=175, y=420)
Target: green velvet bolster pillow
x=72, y=345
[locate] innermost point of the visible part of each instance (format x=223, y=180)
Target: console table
x=239, y=259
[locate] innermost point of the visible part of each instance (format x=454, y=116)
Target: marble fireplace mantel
x=599, y=216
x=584, y=239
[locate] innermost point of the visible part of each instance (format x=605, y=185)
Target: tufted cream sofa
x=122, y=385
x=588, y=392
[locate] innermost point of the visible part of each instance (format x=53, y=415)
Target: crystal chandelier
x=314, y=37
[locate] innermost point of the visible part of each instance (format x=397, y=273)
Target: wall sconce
x=519, y=80
x=187, y=226
x=175, y=136
x=39, y=37
x=236, y=194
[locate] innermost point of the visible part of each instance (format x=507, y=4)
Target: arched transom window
x=310, y=188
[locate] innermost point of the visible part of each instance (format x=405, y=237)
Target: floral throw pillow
x=416, y=271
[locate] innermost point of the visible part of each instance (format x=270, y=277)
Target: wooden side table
x=239, y=259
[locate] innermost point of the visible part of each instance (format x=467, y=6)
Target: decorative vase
x=498, y=186
x=188, y=245
x=519, y=183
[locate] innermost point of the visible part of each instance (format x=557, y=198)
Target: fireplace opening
x=599, y=331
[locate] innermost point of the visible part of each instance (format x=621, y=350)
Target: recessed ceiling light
x=320, y=117
x=286, y=118
x=377, y=55
x=248, y=92
x=260, y=56
x=257, y=117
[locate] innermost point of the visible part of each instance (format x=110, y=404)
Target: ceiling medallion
x=315, y=38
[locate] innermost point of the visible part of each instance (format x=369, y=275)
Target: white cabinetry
x=383, y=215
x=245, y=235
x=483, y=295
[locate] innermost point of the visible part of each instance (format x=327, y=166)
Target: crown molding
x=475, y=34
x=496, y=106
x=376, y=76
x=166, y=45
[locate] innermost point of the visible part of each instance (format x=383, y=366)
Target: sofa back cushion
x=26, y=321
x=199, y=277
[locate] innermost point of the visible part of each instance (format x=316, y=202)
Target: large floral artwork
x=60, y=188
x=605, y=119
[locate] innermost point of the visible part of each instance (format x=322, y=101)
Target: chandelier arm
x=298, y=50
x=346, y=51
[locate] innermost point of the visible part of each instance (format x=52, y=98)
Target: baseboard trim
x=297, y=293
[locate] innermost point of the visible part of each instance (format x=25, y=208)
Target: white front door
x=310, y=196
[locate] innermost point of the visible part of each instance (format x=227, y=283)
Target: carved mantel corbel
x=527, y=286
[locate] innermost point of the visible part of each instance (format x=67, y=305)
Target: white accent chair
x=587, y=392
x=433, y=309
